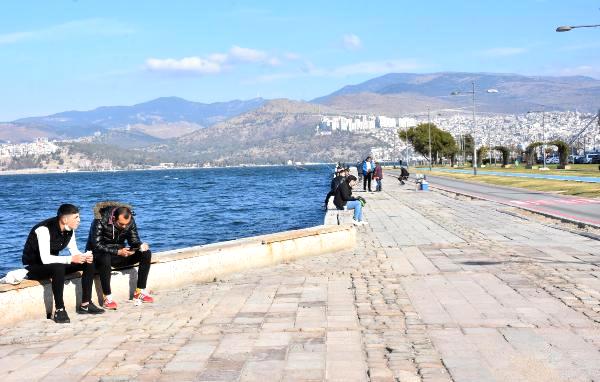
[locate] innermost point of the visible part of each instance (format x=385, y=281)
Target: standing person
x=378, y=175
x=114, y=224
x=41, y=259
x=367, y=171
x=344, y=200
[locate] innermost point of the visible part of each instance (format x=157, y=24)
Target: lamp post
x=406, y=130
x=429, y=126
x=472, y=92
x=567, y=28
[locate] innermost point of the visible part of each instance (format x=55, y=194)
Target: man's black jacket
x=343, y=194
x=105, y=237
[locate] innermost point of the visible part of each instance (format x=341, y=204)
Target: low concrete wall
x=177, y=268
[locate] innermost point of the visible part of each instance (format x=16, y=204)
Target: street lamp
x=566, y=28
x=429, y=126
x=472, y=92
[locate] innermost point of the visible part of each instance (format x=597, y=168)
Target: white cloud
x=375, y=67
x=237, y=53
x=308, y=69
x=502, y=52
x=214, y=63
x=86, y=27
x=291, y=56
x=581, y=70
x=351, y=41
x=188, y=64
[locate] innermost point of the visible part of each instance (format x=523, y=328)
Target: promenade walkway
x=439, y=289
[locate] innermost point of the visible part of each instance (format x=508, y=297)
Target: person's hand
x=78, y=259
x=89, y=257
x=125, y=252
x=144, y=247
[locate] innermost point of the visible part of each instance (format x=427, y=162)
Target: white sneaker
x=364, y=222
x=356, y=222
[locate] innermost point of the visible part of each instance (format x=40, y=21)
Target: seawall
x=181, y=267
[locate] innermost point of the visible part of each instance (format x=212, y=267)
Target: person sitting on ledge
x=341, y=175
x=41, y=259
x=344, y=200
x=113, y=224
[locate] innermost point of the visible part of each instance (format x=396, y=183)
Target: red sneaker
x=143, y=297
x=109, y=305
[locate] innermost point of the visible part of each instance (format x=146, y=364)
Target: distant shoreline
x=38, y=171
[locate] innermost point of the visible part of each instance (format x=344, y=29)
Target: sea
x=174, y=208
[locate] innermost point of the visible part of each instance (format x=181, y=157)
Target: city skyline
x=77, y=55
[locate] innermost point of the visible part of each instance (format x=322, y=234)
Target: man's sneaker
x=364, y=222
x=109, y=305
x=61, y=316
x=89, y=309
x=356, y=222
x=143, y=297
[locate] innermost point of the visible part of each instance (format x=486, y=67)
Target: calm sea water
x=174, y=208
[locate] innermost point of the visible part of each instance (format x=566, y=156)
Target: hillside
x=172, y=112
x=516, y=93
x=281, y=130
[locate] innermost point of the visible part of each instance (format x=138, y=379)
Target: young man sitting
x=41, y=259
x=113, y=225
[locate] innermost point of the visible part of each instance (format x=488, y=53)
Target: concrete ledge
x=172, y=269
x=335, y=217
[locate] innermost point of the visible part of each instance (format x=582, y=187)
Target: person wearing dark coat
x=113, y=225
x=378, y=176
x=344, y=200
x=335, y=183
x=42, y=261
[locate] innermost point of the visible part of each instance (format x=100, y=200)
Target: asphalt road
x=584, y=210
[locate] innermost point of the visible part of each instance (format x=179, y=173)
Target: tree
x=563, y=151
x=530, y=152
x=442, y=142
x=481, y=152
x=505, y=154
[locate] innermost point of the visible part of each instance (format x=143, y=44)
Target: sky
x=81, y=54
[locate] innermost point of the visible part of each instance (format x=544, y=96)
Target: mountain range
x=515, y=93
x=147, y=118
x=271, y=131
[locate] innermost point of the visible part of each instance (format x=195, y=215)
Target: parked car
x=575, y=159
x=596, y=159
x=553, y=160
x=589, y=157
x=579, y=159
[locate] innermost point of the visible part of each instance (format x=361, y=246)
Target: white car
x=553, y=160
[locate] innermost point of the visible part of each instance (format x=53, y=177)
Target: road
x=584, y=210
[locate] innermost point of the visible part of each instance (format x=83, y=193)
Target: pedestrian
x=378, y=176
x=41, y=259
x=344, y=200
x=113, y=225
x=367, y=171
x=341, y=174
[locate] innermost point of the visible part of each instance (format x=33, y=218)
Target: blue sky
x=77, y=55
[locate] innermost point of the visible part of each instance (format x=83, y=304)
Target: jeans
x=378, y=187
x=105, y=262
x=357, y=207
x=57, y=272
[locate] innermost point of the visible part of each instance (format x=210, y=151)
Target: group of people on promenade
x=371, y=170
x=113, y=224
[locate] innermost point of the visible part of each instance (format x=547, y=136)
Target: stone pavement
x=439, y=289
